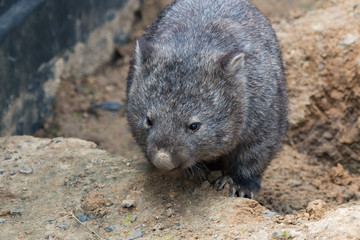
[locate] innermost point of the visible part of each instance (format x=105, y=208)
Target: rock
x=339, y=175
x=8, y=157
x=16, y=211
x=82, y=218
x=57, y=140
x=295, y=183
x=2, y=220
x=133, y=218
x=62, y=226
x=269, y=213
x=26, y=170
x=110, y=228
x=316, y=209
x=135, y=234
x=128, y=203
x=335, y=224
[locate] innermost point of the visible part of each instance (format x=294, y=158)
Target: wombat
x=206, y=91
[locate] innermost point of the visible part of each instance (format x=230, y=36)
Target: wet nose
x=162, y=160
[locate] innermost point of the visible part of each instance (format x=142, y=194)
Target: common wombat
x=206, y=91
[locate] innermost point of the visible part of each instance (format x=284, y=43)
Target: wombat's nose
x=162, y=160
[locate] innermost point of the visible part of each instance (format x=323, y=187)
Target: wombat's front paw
x=235, y=188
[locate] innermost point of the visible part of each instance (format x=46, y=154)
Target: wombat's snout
x=162, y=160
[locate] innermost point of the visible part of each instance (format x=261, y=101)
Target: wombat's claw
x=234, y=188
x=224, y=180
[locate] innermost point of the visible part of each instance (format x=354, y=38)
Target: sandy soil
x=69, y=189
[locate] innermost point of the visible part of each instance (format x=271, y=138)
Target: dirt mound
x=77, y=191
x=322, y=57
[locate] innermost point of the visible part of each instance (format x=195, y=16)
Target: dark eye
x=194, y=126
x=148, y=122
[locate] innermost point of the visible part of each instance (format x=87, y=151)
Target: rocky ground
x=69, y=189
x=66, y=188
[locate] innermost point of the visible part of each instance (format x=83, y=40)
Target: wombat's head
x=184, y=107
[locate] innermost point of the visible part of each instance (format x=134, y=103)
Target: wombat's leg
x=238, y=185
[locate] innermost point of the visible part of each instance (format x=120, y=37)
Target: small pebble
x=82, y=218
x=57, y=140
x=178, y=224
x=12, y=173
x=47, y=236
x=8, y=157
x=15, y=211
x=128, y=164
x=269, y=213
x=135, y=234
x=137, y=227
x=62, y=226
x=2, y=220
x=133, y=218
x=295, y=183
x=2, y=172
x=110, y=228
x=128, y=203
x=51, y=219
x=26, y=170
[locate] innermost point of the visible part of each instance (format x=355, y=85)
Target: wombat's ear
x=143, y=50
x=232, y=62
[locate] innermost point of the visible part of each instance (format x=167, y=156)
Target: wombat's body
x=206, y=87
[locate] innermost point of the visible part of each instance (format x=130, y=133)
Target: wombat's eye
x=148, y=122
x=194, y=126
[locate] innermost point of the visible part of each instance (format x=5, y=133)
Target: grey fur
x=217, y=63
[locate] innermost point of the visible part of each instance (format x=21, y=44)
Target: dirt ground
x=95, y=184
x=69, y=189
